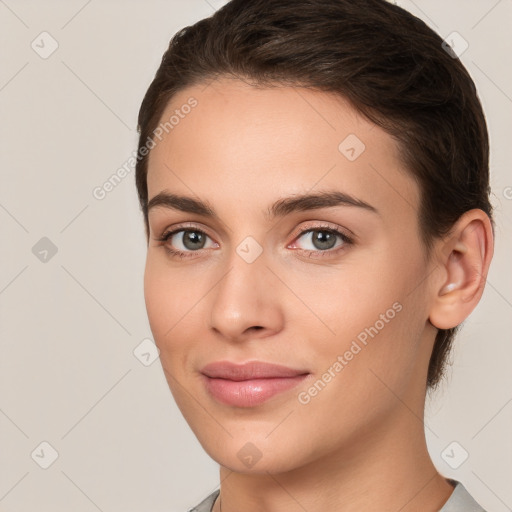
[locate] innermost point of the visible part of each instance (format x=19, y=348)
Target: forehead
x=260, y=144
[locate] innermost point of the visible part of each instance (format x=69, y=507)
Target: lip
x=249, y=384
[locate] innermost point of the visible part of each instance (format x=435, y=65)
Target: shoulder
x=207, y=504
x=460, y=500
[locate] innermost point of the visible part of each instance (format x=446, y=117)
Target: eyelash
x=329, y=252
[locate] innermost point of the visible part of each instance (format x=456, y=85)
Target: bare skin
x=359, y=442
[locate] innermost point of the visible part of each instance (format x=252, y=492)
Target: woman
x=314, y=182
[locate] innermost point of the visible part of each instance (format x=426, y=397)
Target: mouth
x=249, y=384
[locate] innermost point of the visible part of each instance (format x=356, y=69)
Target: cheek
x=348, y=300
x=168, y=297
x=376, y=314
x=159, y=303
x=177, y=307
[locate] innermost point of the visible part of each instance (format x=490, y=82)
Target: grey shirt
x=459, y=501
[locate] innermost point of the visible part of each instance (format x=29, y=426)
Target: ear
x=463, y=258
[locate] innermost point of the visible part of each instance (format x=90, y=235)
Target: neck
x=390, y=467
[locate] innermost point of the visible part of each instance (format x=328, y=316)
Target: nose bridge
x=245, y=296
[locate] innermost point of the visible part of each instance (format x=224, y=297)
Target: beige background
x=70, y=325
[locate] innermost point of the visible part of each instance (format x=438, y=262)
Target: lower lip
x=248, y=393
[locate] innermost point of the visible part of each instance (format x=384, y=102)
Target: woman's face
x=334, y=289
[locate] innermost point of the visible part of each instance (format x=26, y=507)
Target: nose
x=245, y=303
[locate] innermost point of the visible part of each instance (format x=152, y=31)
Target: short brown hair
x=389, y=64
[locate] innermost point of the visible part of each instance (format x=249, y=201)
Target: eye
x=183, y=242
x=319, y=240
x=323, y=241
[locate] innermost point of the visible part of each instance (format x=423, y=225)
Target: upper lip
x=248, y=371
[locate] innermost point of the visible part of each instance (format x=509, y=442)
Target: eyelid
x=186, y=226
x=320, y=225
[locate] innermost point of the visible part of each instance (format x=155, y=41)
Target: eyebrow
x=282, y=207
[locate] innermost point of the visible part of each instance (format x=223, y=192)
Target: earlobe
x=465, y=258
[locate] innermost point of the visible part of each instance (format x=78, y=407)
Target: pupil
x=193, y=237
x=324, y=240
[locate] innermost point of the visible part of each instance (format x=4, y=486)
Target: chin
x=255, y=453
x=274, y=464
